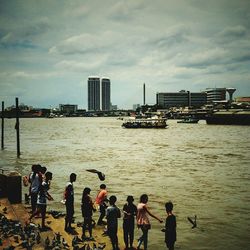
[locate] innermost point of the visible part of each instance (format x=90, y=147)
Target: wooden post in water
x=17, y=129
x=2, y=135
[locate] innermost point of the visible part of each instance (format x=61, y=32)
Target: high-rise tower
x=94, y=93
x=105, y=94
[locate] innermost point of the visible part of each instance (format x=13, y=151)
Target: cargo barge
x=229, y=117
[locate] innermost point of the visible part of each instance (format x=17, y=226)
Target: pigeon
x=16, y=239
x=83, y=247
x=5, y=210
x=58, y=237
x=74, y=242
x=193, y=222
x=9, y=248
x=94, y=247
x=101, y=246
x=65, y=244
x=38, y=238
x=47, y=242
x=54, y=242
x=88, y=247
x=101, y=175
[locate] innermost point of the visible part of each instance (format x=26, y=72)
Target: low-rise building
x=181, y=99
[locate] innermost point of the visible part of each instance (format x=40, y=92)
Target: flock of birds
x=28, y=236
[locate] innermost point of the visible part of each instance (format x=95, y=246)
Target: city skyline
x=49, y=48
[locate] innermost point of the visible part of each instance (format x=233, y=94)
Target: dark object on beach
x=194, y=223
x=56, y=214
x=27, y=199
x=100, y=174
x=5, y=210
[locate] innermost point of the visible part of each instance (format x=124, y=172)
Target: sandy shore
x=20, y=212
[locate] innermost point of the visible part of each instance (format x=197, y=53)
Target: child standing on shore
x=69, y=203
x=100, y=200
x=87, y=212
x=170, y=226
x=129, y=210
x=112, y=215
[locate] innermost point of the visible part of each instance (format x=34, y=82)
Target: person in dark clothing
x=87, y=212
x=129, y=210
x=112, y=215
x=170, y=226
x=69, y=203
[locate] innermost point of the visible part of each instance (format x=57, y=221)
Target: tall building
x=94, y=93
x=105, y=94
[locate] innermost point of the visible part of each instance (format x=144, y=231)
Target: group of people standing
x=131, y=213
x=40, y=180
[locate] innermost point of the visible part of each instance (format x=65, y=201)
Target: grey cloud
x=125, y=10
x=37, y=28
x=174, y=37
x=243, y=58
x=235, y=32
x=76, y=66
x=22, y=37
x=83, y=43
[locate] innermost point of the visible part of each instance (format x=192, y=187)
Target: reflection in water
x=203, y=169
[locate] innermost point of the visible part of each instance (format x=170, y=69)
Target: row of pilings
x=17, y=128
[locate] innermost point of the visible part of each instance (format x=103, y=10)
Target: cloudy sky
x=48, y=48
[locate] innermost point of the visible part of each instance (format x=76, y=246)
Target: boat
x=151, y=122
x=189, y=120
x=51, y=115
x=229, y=117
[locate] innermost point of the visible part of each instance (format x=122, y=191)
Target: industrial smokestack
x=144, y=94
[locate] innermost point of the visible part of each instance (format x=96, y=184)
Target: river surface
x=203, y=169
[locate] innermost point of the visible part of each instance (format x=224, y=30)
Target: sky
x=49, y=48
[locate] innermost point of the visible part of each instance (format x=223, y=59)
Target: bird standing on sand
x=47, y=242
x=65, y=244
x=38, y=238
x=101, y=246
x=5, y=210
x=194, y=223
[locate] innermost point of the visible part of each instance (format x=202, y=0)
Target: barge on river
x=229, y=117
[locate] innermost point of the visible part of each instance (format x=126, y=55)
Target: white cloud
x=78, y=66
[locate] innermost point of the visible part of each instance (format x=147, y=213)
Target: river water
x=203, y=169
